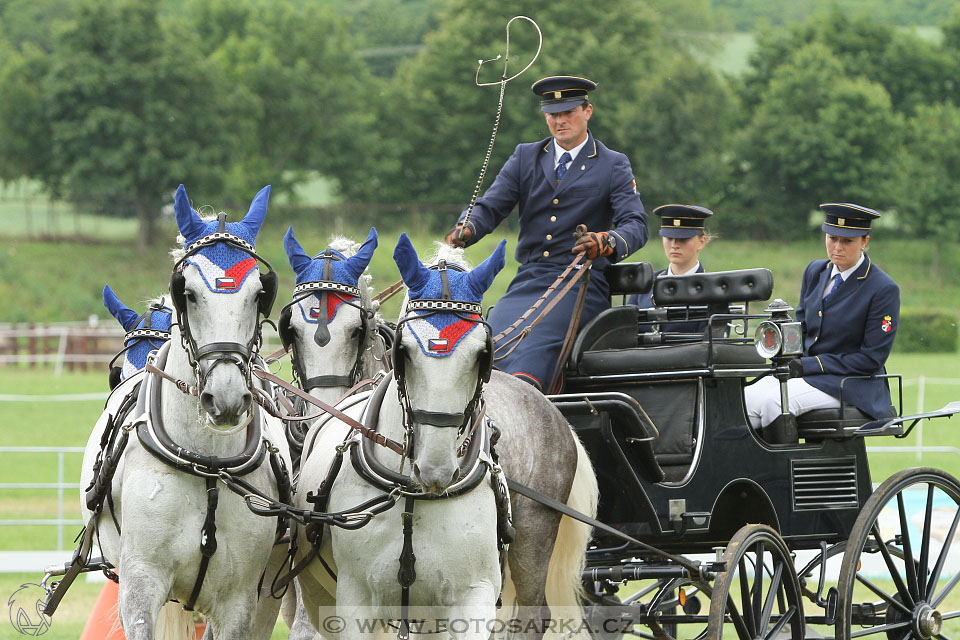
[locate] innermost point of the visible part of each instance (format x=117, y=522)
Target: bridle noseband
x=321, y=336
x=217, y=353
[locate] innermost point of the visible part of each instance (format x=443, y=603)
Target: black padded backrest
x=718, y=287
x=629, y=277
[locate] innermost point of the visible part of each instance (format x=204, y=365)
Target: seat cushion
x=667, y=358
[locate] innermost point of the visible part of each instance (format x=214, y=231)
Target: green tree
x=928, y=194
x=817, y=135
x=437, y=123
x=914, y=71
x=25, y=149
x=679, y=135
x=133, y=111
x=302, y=87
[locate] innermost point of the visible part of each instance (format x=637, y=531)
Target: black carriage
x=776, y=533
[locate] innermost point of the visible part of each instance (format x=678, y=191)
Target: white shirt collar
x=846, y=274
x=559, y=151
x=685, y=273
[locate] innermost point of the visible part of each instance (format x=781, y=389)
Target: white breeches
x=763, y=400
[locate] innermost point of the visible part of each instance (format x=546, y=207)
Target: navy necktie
x=837, y=280
x=562, y=165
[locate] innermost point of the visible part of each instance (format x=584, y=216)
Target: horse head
x=330, y=323
x=443, y=354
x=145, y=332
x=219, y=291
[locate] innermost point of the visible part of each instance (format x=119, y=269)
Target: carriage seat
x=834, y=423
x=628, y=278
x=699, y=355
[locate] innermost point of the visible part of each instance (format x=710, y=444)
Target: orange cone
x=104, y=623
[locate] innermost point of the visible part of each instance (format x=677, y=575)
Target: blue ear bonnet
x=224, y=268
x=135, y=357
x=438, y=334
x=345, y=270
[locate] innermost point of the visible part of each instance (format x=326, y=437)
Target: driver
x=850, y=310
x=562, y=181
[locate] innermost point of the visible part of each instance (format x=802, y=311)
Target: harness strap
x=407, y=574
x=77, y=566
x=208, y=540
x=556, y=505
x=571, y=331
x=380, y=439
x=554, y=302
x=389, y=292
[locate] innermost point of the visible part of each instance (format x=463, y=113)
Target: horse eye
x=190, y=296
x=356, y=332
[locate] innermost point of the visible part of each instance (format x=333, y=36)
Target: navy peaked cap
x=562, y=93
x=847, y=220
x=681, y=220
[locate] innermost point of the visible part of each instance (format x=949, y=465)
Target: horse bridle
x=156, y=337
x=321, y=336
x=426, y=307
x=221, y=352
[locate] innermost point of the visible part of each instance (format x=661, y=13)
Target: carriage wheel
x=898, y=570
x=757, y=597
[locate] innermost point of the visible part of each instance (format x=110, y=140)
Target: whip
x=504, y=79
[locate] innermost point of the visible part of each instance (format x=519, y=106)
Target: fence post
x=61, y=352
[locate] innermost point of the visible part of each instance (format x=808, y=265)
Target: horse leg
x=528, y=561
x=474, y=616
x=144, y=611
x=267, y=606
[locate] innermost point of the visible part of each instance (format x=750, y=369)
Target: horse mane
x=180, y=250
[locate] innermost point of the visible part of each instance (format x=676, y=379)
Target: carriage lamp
x=780, y=335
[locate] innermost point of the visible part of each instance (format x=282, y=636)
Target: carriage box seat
x=609, y=344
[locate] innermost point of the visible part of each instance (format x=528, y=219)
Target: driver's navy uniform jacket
x=598, y=191
x=851, y=335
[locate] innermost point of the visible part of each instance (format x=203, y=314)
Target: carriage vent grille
x=824, y=484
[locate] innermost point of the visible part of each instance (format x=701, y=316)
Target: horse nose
x=224, y=413
x=435, y=479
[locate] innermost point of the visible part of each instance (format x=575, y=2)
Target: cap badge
x=556, y=95
x=841, y=221
x=676, y=222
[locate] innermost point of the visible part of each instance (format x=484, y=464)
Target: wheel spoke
x=901, y=588
x=946, y=590
x=738, y=622
x=911, y=568
x=951, y=615
x=925, y=543
x=942, y=558
x=781, y=623
x=750, y=623
x=942, y=636
x=771, y=596
x=893, y=602
x=758, y=620
x=881, y=629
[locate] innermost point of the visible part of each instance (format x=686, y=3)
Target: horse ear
x=482, y=276
x=188, y=220
x=126, y=317
x=414, y=274
x=358, y=262
x=258, y=211
x=295, y=254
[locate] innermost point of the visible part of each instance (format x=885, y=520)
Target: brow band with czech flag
x=310, y=306
x=220, y=279
x=440, y=333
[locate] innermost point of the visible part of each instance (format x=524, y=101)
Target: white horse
x=331, y=311
x=171, y=527
x=546, y=557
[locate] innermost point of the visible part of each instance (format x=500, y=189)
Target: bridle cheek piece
x=217, y=353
